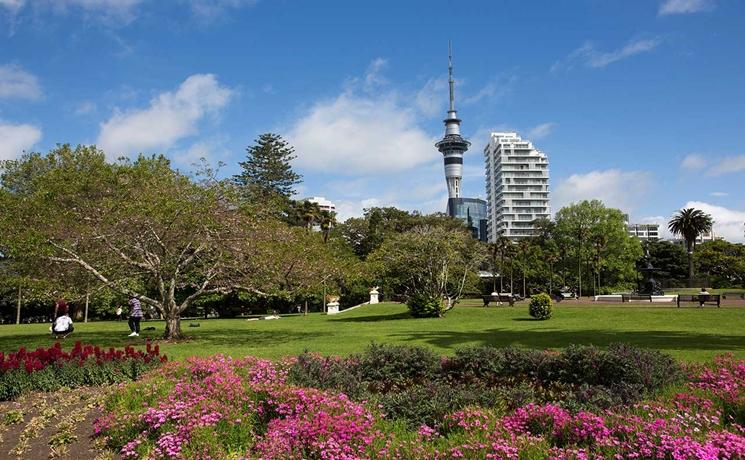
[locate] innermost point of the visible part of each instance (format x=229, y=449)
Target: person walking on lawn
x=135, y=315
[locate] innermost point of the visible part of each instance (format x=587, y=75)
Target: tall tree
x=267, y=173
x=689, y=223
x=723, y=261
x=141, y=229
x=429, y=263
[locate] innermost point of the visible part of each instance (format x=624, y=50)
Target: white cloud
x=589, y=56
x=432, y=98
x=12, y=5
x=360, y=132
x=349, y=208
x=170, y=117
x=728, y=165
x=685, y=6
x=719, y=194
x=693, y=162
x=16, y=139
x=728, y=223
x=495, y=89
x=616, y=188
x=15, y=82
x=540, y=131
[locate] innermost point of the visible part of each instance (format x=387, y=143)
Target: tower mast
x=452, y=146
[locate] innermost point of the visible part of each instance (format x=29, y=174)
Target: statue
x=649, y=285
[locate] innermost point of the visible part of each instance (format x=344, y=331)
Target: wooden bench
x=702, y=299
x=498, y=298
x=630, y=297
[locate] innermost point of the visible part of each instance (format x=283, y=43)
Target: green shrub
x=428, y=404
x=326, y=372
x=387, y=368
x=540, y=306
x=424, y=306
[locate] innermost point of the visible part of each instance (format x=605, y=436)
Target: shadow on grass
x=554, y=338
x=373, y=318
x=236, y=338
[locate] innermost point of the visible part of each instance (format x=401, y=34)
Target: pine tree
x=267, y=172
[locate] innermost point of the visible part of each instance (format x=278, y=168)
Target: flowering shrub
x=224, y=408
x=46, y=369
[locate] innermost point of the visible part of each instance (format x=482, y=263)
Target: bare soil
x=56, y=425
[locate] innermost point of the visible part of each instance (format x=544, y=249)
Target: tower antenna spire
x=450, y=76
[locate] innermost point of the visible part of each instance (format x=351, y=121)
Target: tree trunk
x=18, y=307
x=173, y=327
x=87, y=303
x=524, y=296
x=173, y=319
x=690, y=266
x=579, y=268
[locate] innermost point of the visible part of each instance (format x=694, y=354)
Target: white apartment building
x=322, y=203
x=645, y=232
x=517, y=183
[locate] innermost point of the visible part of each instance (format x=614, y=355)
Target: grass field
x=691, y=333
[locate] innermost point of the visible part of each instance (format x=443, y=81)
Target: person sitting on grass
x=701, y=300
x=62, y=325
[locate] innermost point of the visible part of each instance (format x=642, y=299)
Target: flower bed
x=47, y=369
x=220, y=407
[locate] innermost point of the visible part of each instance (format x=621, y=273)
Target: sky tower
x=452, y=146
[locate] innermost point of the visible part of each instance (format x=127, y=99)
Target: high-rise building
x=517, y=182
x=472, y=211
x=644, y=232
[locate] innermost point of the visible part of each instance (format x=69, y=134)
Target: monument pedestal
x=332, y=308
x=374, y=296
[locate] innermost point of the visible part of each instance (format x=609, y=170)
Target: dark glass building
x=472, y=211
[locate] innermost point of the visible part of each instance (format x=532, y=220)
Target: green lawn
x=688, y=333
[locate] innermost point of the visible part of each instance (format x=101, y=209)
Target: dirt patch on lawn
x=55, y=425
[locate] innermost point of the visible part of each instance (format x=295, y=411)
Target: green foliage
x=366, y=234
x=415, y=386
x=70, y=375
x=689, y=224
x=430, y=402
x=267, y=172
x=394, y=367
x=724, y=262
x=428, y=264
x=541, y=306
x=593, y=246
x=424, y=306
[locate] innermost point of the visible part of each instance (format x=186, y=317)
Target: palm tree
x=309, y=212
x=327, y=220
x=503, y=247
x=689, y=224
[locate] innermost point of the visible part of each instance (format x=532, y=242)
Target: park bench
x=733, y=295
x=498, y=298
x=702, y=299
x=630, y=297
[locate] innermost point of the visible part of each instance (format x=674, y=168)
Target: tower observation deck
x=453, y=145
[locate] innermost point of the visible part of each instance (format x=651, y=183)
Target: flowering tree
x=139, y=228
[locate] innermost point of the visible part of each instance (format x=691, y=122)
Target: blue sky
x=638, y=103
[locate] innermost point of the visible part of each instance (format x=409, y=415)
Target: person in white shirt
x=62, y=326
x=702, y=292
